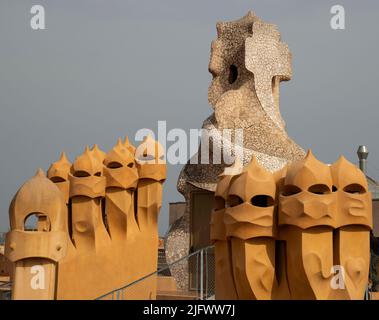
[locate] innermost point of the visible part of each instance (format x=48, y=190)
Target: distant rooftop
x=2, y=237
x=373, y=187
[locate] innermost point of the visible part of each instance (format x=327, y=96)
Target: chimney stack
x=362, y=156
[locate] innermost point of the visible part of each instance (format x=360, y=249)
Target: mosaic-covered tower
x=248, y=61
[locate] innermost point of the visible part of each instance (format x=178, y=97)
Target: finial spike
x=341, y=158
x=40, y=173
x=309, y=153
x=63, y=157
x=119, y=142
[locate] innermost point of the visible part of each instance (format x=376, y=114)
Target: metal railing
x=5, y=290
x=201, y=286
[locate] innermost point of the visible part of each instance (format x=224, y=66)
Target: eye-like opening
x=81, y=174
x=98, y=174
x=234, y=200
x=57, y=179
x=219, y=203
x=290, y=190
x=233, y=74
x=319, y=189
x=131, y=165
x=262, y=200
x=334, y=188
x=354, y=188
x=37, y=222
x=146, y=157
x=114, y=165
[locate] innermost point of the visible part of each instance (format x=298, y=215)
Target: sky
x=105, y=69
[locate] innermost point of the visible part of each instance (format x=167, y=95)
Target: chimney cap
x=362, y=152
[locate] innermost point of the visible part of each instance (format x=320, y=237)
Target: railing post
x=206, y=274
x=201, y=274
x=197, y=275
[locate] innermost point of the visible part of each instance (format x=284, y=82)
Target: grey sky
x=104, y=69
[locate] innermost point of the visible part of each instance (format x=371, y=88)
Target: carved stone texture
x=248, y=61
x=224, y=281
x=249, y=222
x=42, y=248
x=307, y=216
x=58, y=173
x=311, y=224
x=352, y=238
x=104, y=237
